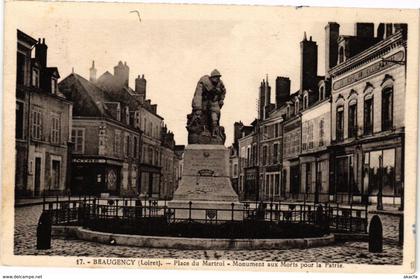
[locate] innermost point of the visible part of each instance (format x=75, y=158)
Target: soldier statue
x=203, y=124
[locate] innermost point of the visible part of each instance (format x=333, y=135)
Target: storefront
x=370, y=170
x=93, y=176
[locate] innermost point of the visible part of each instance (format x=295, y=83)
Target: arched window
x=340, y=123
x=368, y=115
x=297, y=106
x=387, y=108
x=341, y=55
x=305, y=101
x=321, y=93
x=352, y=118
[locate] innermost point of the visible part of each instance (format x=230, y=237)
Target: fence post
x=232, y=204
x=375, y=235
x=189, y=211
x=271, y=211
x=351, y=214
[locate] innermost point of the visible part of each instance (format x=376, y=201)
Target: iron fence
x=81, y=211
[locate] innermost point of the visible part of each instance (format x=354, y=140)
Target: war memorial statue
x=205, y=185
x=203, y=124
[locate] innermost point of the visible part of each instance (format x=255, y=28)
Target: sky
x=173, y=46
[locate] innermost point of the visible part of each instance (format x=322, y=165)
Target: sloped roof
x=88, y=99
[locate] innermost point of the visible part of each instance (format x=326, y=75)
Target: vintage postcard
x=216, y=137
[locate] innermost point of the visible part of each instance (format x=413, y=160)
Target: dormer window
x=321, y=93
x=35, y=77
x=127, y=116
x=305, y=101
x=288, y=111
x=341, y=55
x=53, y=86
x=296, y=106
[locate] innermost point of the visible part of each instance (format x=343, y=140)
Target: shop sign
x=368, y=71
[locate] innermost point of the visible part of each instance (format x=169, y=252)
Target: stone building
x=314, y=158
x=269, y=144
x=248, y=163
x=150, y=123
x=43, y=123
x=106, y=141
x=367, y=114
x=168, y=175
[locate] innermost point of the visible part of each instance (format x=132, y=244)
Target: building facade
x=106, y=143
x=367, y=115
x=43, y=123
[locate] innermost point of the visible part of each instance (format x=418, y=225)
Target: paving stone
x=26, y=219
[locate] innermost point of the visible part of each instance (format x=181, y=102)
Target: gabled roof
x=88, y=99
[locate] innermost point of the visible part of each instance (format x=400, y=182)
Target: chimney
x=92, y=72
x=121, y=72
x=332, y=31
x=237, y=126
x=140, y=86
x=154, y=108
x=364, y=30
x=308, y=64
x=41, y=52
x=261, y=100
x=282, y=90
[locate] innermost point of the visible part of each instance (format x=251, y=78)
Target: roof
x=88, y=99
x=25, y=37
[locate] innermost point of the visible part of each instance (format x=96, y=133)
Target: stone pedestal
x=206, y=184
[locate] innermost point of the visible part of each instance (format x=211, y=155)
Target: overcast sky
x=173, y=46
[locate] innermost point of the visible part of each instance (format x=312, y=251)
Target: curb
x=190, y=243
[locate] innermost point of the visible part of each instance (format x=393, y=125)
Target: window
x=368, y=116
x=341, y=55
x=387, y=108
x=264, y=159
x=117, y=142
x=53, y=85
x=379, y=172
x=321, y=93
x=78, y=138
x=310, y=135
x=352, y=129
x=305, y=101
x=288, y=111
x=127, y=145
x=321, y=132
x=340, y=123
x=55, y=129
x=135, y=147
x=275, y=153
x=276, y=130
x=276, y=184
x=20, y=68
x=254, y=154
x=55, y=174
x=235, y=170
x=19, y=120
x=296, y=106
x=36, y=124
x=35, y=77
x=248, y=156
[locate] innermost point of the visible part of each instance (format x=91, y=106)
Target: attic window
x=321, y=93
x=53, y=86
x=35, y=77
x=305, y=101
x=341, y=55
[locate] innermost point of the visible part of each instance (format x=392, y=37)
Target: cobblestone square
x=26, y=219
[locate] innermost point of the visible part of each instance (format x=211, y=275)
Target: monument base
x=206, y=184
